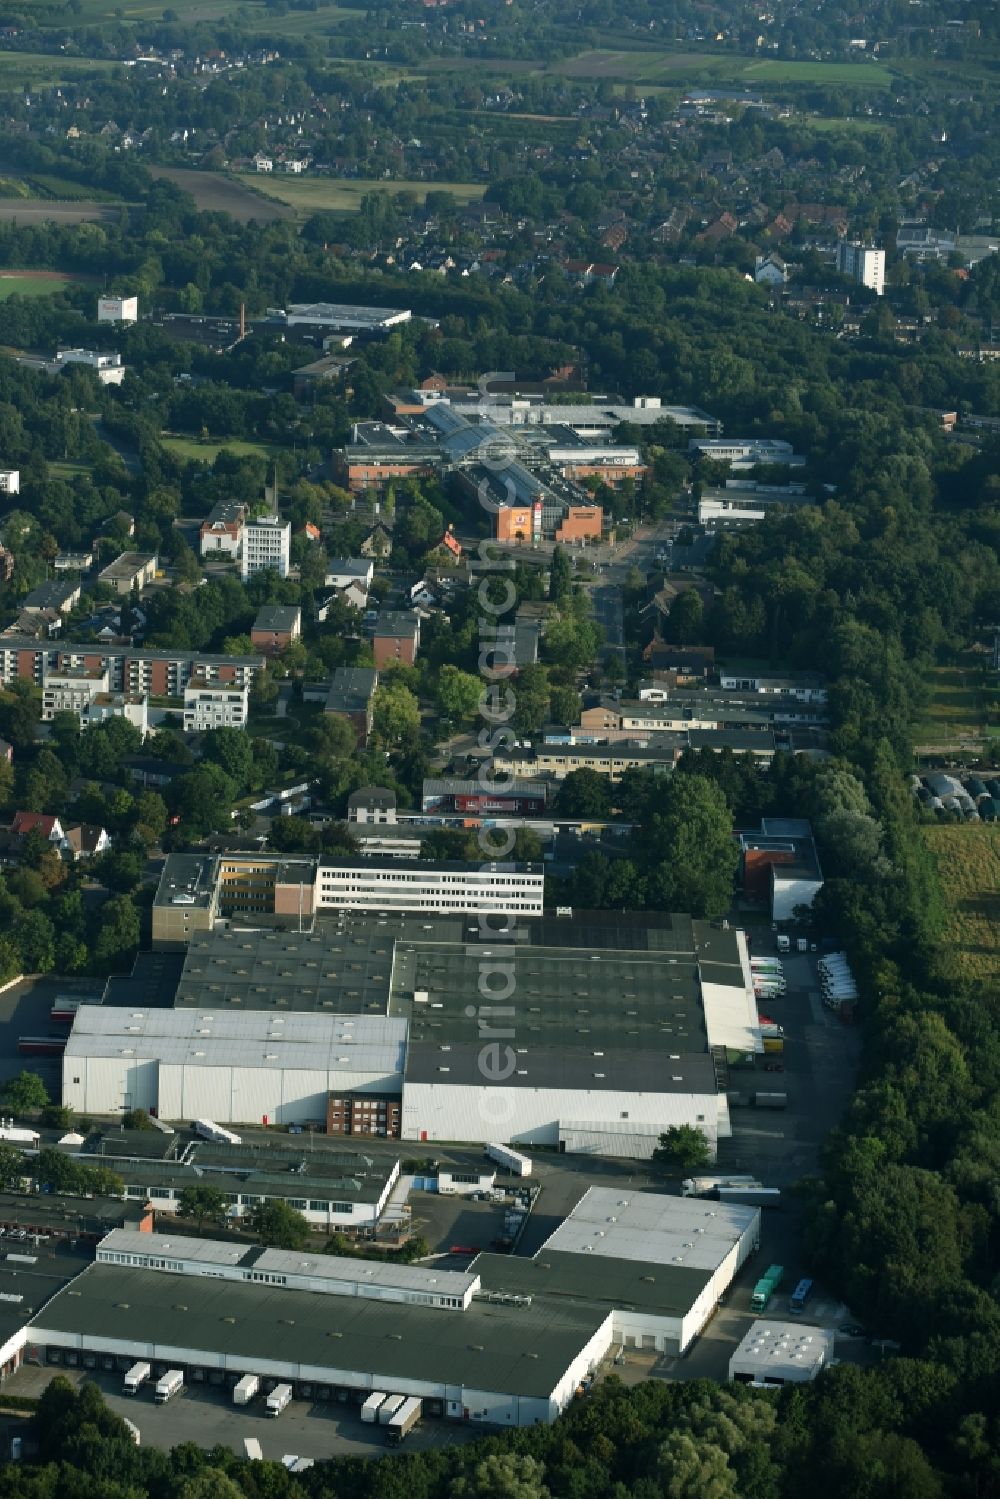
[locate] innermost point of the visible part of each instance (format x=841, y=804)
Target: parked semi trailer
x=403, y=1421
x=515, y=1163
x=135, y=1378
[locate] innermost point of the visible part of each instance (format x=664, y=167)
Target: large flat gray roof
x=491, y=1347
x=628, y=1285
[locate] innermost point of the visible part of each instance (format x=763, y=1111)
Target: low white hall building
x=256, y=1067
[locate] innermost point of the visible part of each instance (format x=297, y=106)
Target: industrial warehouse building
x=590, y=1032
x=507, y=1342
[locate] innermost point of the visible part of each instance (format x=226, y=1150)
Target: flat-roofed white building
x=419, y=885
x=234, y=1068
x=778, y=1353
x=215, y=705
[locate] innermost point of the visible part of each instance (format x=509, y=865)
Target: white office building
x=863, y=263
x=416, y=885
x=265, y=543
x=10, y=481
x=107, y=367
x=215, y=705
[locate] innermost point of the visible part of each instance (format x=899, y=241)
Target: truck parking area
x=205, y=1414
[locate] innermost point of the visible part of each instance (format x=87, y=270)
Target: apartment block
x=215, y=705
x=129, y=669
x=265, y=543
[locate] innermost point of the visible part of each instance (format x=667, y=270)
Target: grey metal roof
x=492, y=1347
x=188, y=875
x=607, y=1068
x=218, y=1037
x=625, y=1285
x=401, y=622
x=338, y=969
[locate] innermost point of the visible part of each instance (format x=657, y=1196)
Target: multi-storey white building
x=862, y=262
x=215, y=705
x=416, y=885
x=265, y=542
x=10, y=481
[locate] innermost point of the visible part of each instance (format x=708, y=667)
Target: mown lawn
x=968, y=862
x=196, y=451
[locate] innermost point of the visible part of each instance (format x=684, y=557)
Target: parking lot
x=206, y=1415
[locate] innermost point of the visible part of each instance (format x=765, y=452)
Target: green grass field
x=341, y=195
x=196, y=451
x=35, y=283
x=968, y=863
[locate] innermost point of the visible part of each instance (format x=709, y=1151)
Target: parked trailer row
x=516, y=1164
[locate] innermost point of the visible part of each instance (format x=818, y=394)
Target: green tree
x=25, y=1093
x=682, y=1148
x=12, y=1167
x=560, y=576
x=137, y=1119
x=276, y=1224
x=687, y=839
x=232, y=750
x=584, y=793
x=686, y=621
x=395, y=713
x=458, y=693
x=202, y=1204
x=117, y=934
x=530, y=692
x=501, y=1475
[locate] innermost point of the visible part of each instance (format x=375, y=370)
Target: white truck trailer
x=389, y=1407
x=217, y=1133
x=403, y=1421
x=171, y=1382
x=512, y=1160
x=700, y=1186
x=136, y=1378
x=279, y=1397
x=369, y=1411
x=247, y=1388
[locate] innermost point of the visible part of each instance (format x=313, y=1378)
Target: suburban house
x=85, y=841
x=341, y=572
x=37, y=822
x=130, y=570
x=62, y=597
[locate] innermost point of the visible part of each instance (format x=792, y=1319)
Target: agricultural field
x=705, y=68
x=958, y=708
x=26, y=211
x=217, y=193
x=38, y=283
x=968, y=863
x=20, y=71
x=343, y=195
